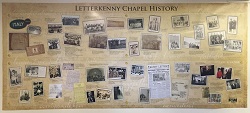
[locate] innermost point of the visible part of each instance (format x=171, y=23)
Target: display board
x=69, y=56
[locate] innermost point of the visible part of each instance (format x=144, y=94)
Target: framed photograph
x=103, y=94
x=224, y=73
x=136, y=23
x=98, y=41
x=118, y=92
x=182, y=67
x=151, y=41
x=53, y=44
x=38, y=88
x=154, y=23
x=214, y=98
x=91, y=96
x=35, y=71
x=15, y=76
x=18, y=41
x=199, y=32
x=180, y=21
x=233, y=84
x=205, y=92
x=137, y=70
x=174, y=41
x=213, y=22
x=117, y=43
x=207, y=70
x=95, y=74
x=232, y=25
x=24, y=96
x=216, y=38
x=117, y=73
x=35, y=50
x=198, y=79
x=68, y=66
x=55, y=91
x=144, y=95
x=134, y=48
x=71, y=20
x=72, y=39
x=55, y=28
x=191, y=43
x=36, y=30
x=94, y=26
x=233, y=45
x=55, y=71
x=115, y=23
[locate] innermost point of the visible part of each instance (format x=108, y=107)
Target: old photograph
x=91, y=96
x=232, y=25
x=117, y=43
x=224, y=73
x=213, y=22
x=55, y=28
x=159, y=77
x=233, y=84
x=35, y=71
x=207, y=70
x=174, y=41
x=198, y=79
x=199, y=31
x=18, y=41
x=103, y=94
x=214, y=98
x=216, y=38
x=117, y=73
x=35, y=50
x=136, y=23
x=134, y=48
x=94, y=26
x=182, y=67
x=154, y=23
x=55, y=91
x=36, y=30
x=72, y=20
x=38, y=88
x=98, y=41
x=144, y=95
x=68, y=66
x=205, y=92
x=24, y=96
x=115, y=23
x=191, y=43
x=53, y=44
x=72, y=39
x=137, y=70
x=95, y=74
x=15, y=76
x=233, y=45
x=180, y=21
x=151, y=41
x=118, y=92
x=55, y=71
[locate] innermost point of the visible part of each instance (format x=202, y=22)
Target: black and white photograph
x=233, y=84
x=118, y=92
x=24, y=96
x=199, y=32
x=55, y=91
x=38, y=88
x=15, y=76
x=214, y=98
x=174, y=41
x=213, y=22
x=157, y=77
x=68, y=66
x=134, y=48
x=55, y=28
x=224, y=73
x=198, y=79
x=205, y=92
x=137, y=70
x=233, y=45
x=117, y=43
x=35, y=71
x=154, y=23
x=232, y=25
x=91, y=96
x=71, y=20
x=216, y=38
x=103, y=94
x=55, y=71
x=180, y=21
x=136, y=23
x=115, y=23
x=207, y=70
x=94, y=26
x=144, y=95
x=72, y=39
x=151, y=41
x=53, y=44
x=191, y=43
x=98, y=41
x=182, y=67
x=36, y=30
x=95, y=74
x=117, y=73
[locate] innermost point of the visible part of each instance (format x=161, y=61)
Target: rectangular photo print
x=198, y=79
x=191, y=43
x=55, y=91
x=35, y=50
x=98, y=41
x=38, y=88
x=71, y=20
x=199, y=32
x=134, y=48
x=233, y=84
x=182, y=67
x=214, y=98
x=95, y=74
x=205, y=92
x=91, y=96
x=207, y=70
x=15, y=76
x=213, y=22
x=18, y=41
x=118, y=92
x=233, y=45
x=151, y=41
x=117, y=43
x=35, y=71
x=24, y=96
x=180, y=21
x=103, y=94
x=154, y=23
x=55, y=28
x=137, y=70
x=117, y=73
x=72, y=39
x=55, y=71
x=68, y=66
x=115, y=23
x=224, y=73
x=54, y=44
x=144, y=95
x=136, y=23
x=36, y=30
x=94, y=26
x=174, y=41
x=232, y=25
x=216, y=38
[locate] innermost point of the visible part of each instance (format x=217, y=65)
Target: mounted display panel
x=69, y=56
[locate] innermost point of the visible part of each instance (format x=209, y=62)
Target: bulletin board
x=72, y=56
